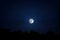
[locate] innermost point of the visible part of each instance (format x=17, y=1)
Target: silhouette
x=25, y=35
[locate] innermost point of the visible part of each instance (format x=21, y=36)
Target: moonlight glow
x=31, y=21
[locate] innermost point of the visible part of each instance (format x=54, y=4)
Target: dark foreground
x=6, y=34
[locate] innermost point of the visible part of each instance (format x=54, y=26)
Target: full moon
x=31, y=21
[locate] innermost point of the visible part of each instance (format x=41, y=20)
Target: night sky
x=16, y=14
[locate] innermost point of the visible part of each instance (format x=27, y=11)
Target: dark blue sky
x=15, y=15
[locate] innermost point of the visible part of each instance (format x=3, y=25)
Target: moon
x=31, y=21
